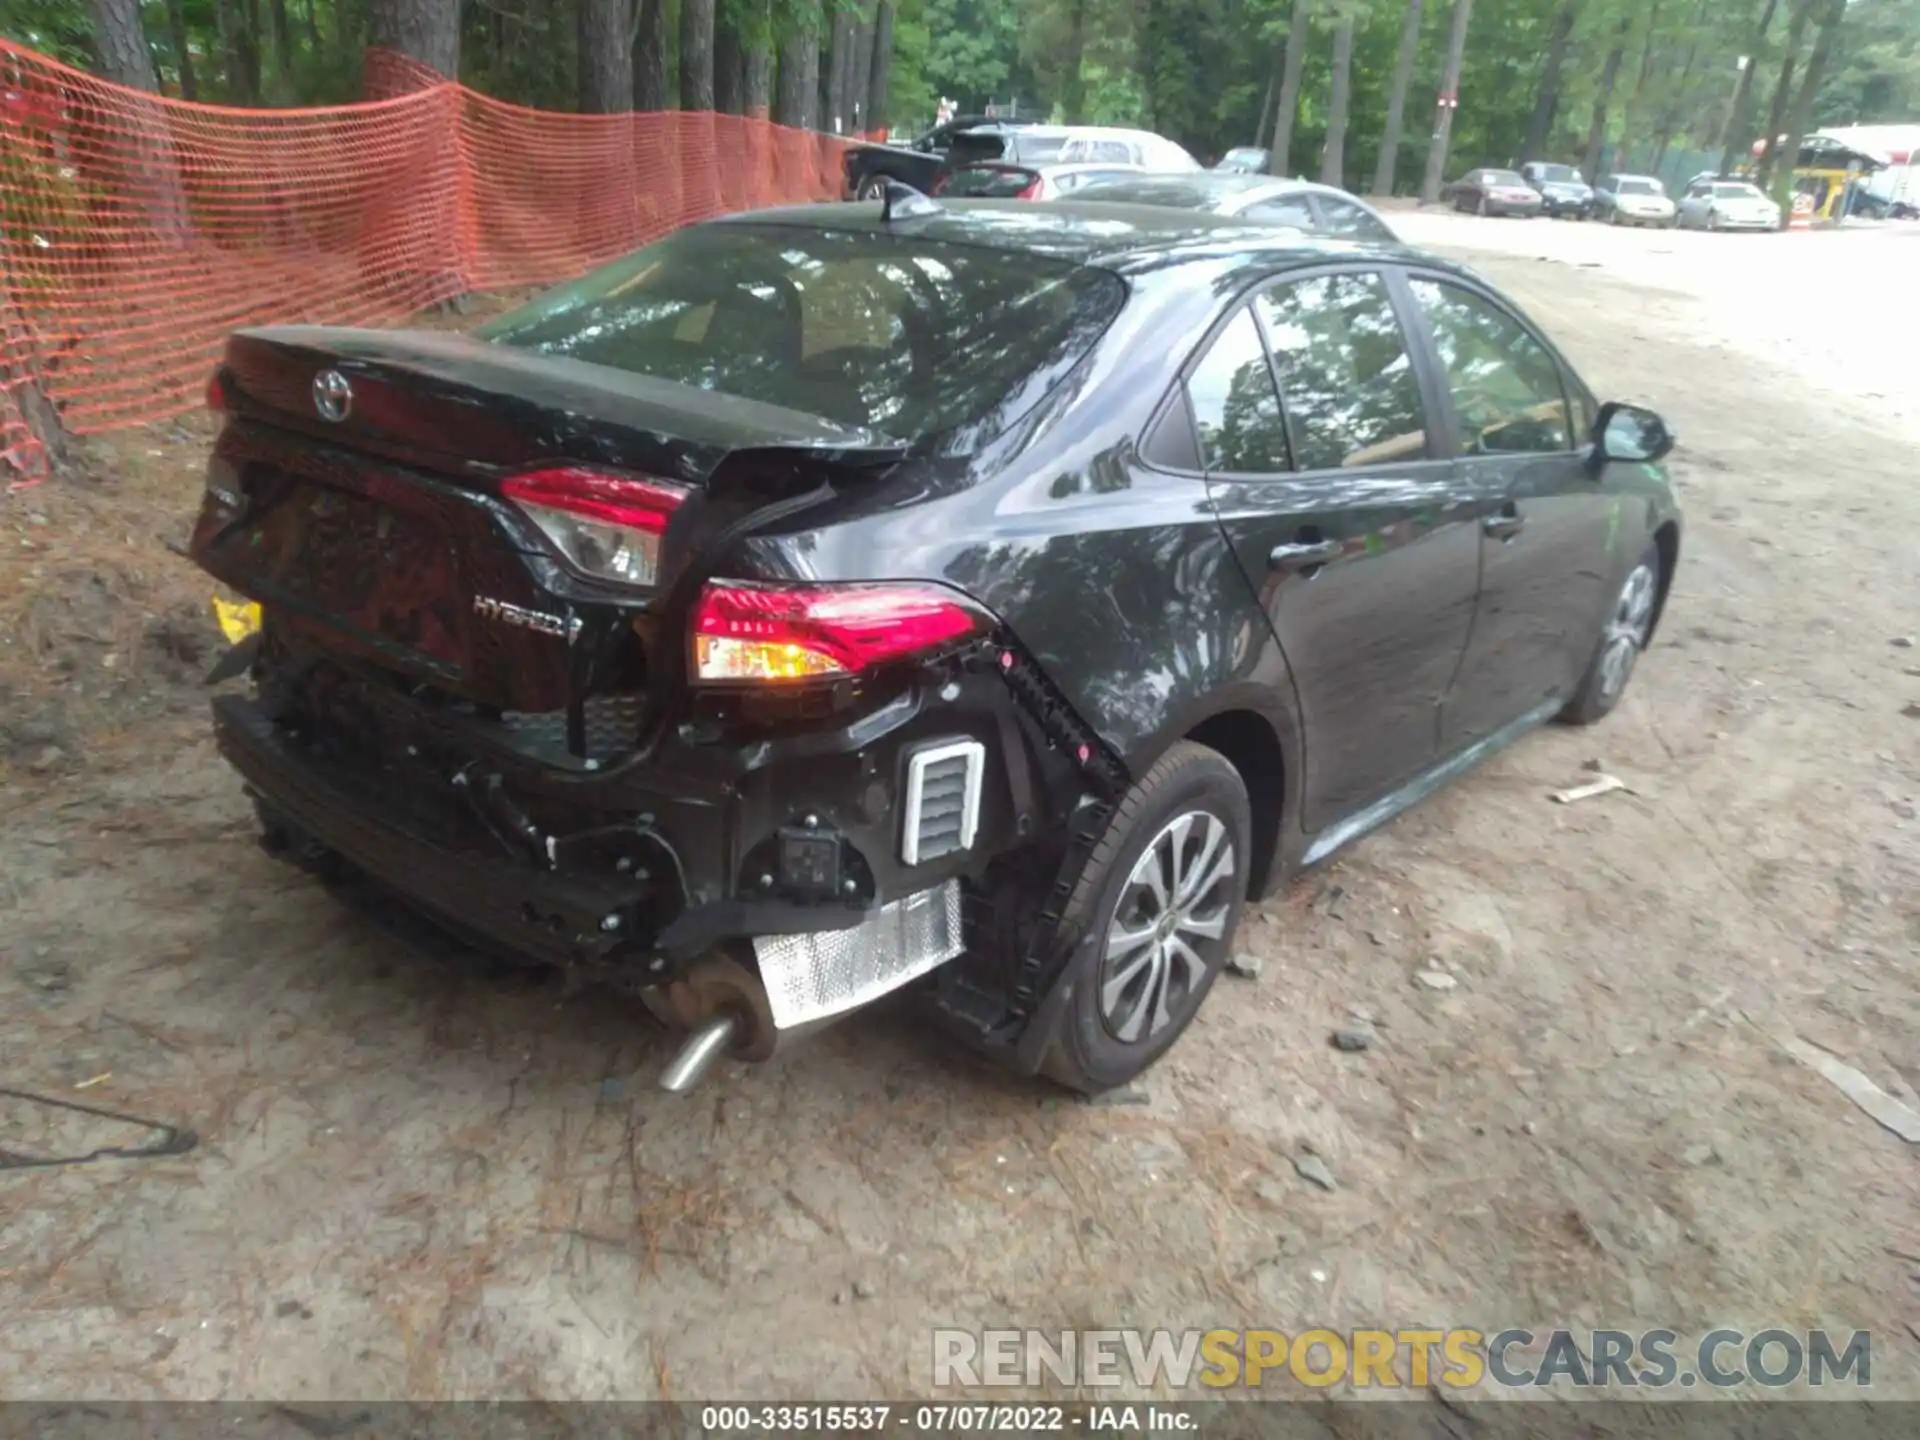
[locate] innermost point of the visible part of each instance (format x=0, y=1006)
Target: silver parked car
x=1633, y=200
x=1715, y=204
x=1269, y=199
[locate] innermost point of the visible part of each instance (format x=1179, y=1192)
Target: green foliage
x=1199, y=71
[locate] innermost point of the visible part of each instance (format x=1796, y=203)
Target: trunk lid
x=384, y=534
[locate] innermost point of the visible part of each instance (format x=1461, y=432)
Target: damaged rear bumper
x=641, y=887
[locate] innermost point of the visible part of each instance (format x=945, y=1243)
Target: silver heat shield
x=810, y=977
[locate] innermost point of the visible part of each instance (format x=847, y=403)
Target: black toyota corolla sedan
x=978, y=599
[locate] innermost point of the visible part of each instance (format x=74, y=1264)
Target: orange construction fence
x=137, y=231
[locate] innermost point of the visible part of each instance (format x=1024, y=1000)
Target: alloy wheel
x=1626, y=633
x=1169, y=927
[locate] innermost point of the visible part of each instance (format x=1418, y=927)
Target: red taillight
x=779, y=633
x=1032, y=192
x=606, y=524
x=216, y=394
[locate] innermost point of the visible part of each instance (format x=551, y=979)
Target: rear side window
x=1235, y=409
x=1352, y=397
x=1349, y=221
x=1287, y=210
x=905, y=335
x=1508, y=396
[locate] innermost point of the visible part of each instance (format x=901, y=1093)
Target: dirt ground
x=416, y=1177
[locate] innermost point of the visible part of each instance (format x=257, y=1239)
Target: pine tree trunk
x=1073, y=84
x=1546, y=99
x=729, y=66
x=882, y=65
x=1622, y=151
x=797, y=98
x=177, y=34
x=650, y=57
x=423, y=30
x=607, y=68
x=1389, y=160
x=1449, y=90
x=1597, y=127
x=757, y=84
x=861, y=89
x=121, y=43
x=839, y=53
x=1333, y=155
x=282, y=40
x=1782, y=91
x=1743, y=91
x=1279, y=160
x=1832, y=17
x=696, y=54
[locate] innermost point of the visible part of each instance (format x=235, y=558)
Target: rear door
x=1516, y=423
x=1353, y=532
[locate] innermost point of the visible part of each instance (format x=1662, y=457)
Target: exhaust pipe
x=696, y=1056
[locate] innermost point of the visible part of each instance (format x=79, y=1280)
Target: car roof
x=1118, y=237
x=1204, y=190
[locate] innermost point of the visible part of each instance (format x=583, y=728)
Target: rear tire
x=1622, y=638
x=871, y=188
x=1143, y=966
x=1481, y=208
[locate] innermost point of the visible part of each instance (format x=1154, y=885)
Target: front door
x=1544, y=517
x=1358, y=540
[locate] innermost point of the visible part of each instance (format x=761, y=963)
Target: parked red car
x=1495, y=192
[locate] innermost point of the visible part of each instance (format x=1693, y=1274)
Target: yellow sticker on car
x=237, y=621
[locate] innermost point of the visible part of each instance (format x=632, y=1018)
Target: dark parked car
x=1495, y=192
x=1562, y=189
x=1264, y=198
x=987, y=601
x=962, y=141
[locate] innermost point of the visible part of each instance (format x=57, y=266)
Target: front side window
x=1234, y=405
x=1508, y=395
x=1351, y=394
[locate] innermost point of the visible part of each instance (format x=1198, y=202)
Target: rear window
x=987, y=184
x=906, y=335
x=1502, y=177
x=1039, y=149
x=1559, y=174
x=1638, y=187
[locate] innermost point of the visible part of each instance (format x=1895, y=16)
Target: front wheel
x=1622, y=639
x=1156, y=909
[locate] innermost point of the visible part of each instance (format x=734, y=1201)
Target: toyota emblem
x=332, y=395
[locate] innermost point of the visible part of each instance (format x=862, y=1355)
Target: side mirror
x=1631, y=433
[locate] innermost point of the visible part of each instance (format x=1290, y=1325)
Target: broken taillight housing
x=605, y=524
x=777, y=633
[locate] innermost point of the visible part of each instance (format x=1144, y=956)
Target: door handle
x=1504, y=526
x=1304, y=554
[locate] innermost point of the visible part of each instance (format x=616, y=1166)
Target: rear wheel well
x=1666, y=541
x=1249, y=743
